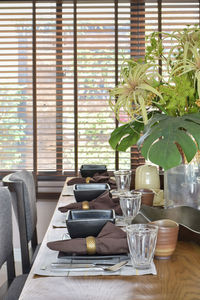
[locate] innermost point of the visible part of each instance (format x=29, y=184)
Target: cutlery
x=82, y=267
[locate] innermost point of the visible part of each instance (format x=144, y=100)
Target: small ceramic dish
x=90, y=170
x=83, y=223
x=89, y=191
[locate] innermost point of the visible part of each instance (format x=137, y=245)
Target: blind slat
x=52, y=72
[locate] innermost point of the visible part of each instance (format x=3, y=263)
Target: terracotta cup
x=147, y=196
x=166, y=239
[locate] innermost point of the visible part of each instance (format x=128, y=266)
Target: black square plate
x=83, y=223
x=89, y=191
x=90, y=170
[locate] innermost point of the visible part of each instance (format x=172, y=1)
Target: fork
x=82, y=267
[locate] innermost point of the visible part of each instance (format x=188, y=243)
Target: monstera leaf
x=126, y=135
x=163, y=135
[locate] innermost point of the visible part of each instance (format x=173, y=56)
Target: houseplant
x=161, y=107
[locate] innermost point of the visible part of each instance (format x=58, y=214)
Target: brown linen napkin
x=111, y=240
x=104, y=201
x=97, y=178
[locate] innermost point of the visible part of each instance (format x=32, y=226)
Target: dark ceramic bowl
x=90, y=170
x=89, y=191
x=83, y=223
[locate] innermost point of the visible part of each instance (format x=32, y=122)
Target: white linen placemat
x=45, y=270
x=59, y=219
x=68, y=190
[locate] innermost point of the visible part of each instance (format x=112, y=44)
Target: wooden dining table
x=178, y=278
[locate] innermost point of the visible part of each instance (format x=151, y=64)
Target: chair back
x=6, y=244
x=22, y=187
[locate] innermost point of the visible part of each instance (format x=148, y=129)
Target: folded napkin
x=97, y=178
x=111, y=240
x=104, y=201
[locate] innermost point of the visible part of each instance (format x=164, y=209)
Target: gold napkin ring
x=87, y=179
x=91, y=245
x=85, y=205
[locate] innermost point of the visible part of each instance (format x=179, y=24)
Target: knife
x=64, y=266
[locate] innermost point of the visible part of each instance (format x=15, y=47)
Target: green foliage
x=175, y=125
x=155, y=49
x=13, y=130
x=126, y=135
x=164, y=134
x=178, y=99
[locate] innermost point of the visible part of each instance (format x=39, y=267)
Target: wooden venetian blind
x=16, y=86
x=58, y=60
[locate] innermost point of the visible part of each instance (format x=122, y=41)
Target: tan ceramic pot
x=166, y=239
x=147, y=196
x=147, y=177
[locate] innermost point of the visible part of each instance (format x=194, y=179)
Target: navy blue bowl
x=83, y=223
x=89, y=191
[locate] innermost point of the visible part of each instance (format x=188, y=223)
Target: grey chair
x=13, y=287
x=22, y=187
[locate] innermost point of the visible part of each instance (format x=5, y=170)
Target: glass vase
x=182, y=185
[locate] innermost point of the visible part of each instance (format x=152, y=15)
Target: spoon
x=82, y=267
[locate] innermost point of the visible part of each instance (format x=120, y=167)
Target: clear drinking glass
x=142, y=242
x=123, y=180
x=130, y=204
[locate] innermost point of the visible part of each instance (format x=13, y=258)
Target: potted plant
x=161, y=107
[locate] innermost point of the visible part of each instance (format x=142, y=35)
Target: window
x=58, y=60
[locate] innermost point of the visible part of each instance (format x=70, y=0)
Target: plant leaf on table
x=161, y=138
x=126, y=135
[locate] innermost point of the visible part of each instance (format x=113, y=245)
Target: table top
x=177, y=278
